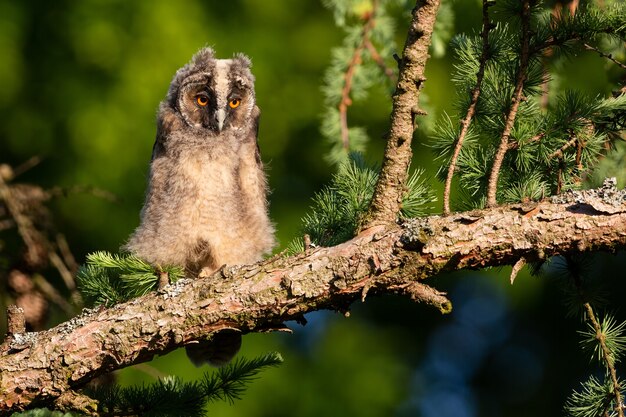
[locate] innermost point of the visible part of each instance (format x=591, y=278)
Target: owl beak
x=221, y=115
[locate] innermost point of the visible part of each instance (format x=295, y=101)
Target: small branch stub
x=307, y=242
x=164, y=279
x=516, y=268
x=16, y=321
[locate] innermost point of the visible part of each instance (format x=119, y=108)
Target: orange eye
x=234, y=103
x=202, y=100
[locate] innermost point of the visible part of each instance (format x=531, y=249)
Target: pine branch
x=338, y=208
x=379, y=60
x=608, y=358
x=172, y=397
x=559, y=152
x=465, y=123
x=229, y=382
x=603, y=55
x=390, y=187
x=355, y=61
x=40, y=367
x=492, y=186
x=594, y=400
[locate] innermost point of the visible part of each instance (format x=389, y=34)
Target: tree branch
x=492, y=186
x=607, y=357
x=355, y=61
x=390, y=187
x=465, y=123
x=603, y=55
x=36, y=369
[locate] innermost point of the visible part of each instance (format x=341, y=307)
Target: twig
x=535, y=138
x=559, y=152
x=379, y=60
x=67, y=276
x=603, y=55
x=66, y=253
x=390, y=187
x=25, y=166
x=164, y=278
x=579, y=154
x=53, y=295
x=80, y=189
x=24, y=224
x=346, y=101
x=65, y=273
x=465, y=123
x=425, y=294
x=608, y=360
x=517, y=267
x=150, y=371
x=492, y=185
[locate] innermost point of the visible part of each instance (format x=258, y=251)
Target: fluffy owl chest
x=210, y=190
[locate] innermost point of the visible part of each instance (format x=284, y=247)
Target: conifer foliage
x=362, y=61
x=518, y=135
x=516, y=140
x=108, y=279
x=336, y=210
x=172, y=397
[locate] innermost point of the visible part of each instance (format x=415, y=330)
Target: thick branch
x=390, y=188
x=38, y=368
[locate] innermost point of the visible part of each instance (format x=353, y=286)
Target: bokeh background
x=80, y=82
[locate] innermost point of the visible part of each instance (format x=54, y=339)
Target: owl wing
x=167, y=123
x=158, y=149
x=254, y=134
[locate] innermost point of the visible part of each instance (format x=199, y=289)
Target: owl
x=206, y=201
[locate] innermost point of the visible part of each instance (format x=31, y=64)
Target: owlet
x=206, y=202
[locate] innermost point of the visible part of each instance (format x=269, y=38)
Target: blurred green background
x=80, y=82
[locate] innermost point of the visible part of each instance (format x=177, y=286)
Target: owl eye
x=234, y=103
x=202, y=100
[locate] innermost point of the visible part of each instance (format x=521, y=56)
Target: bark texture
x=45, y=368
x=391, y=185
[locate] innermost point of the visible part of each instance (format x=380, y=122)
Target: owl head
x=213, y=95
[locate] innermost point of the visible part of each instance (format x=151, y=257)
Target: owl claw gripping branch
x=206, y=202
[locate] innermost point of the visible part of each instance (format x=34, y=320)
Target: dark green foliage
x=553, y=146
x=336, y=211
x=584, y=297
x=107, y=279
x=167, y=397
x=171, y=397
x=615, y=340
x=228, y=383
x=577, y=281
x=596, y=399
